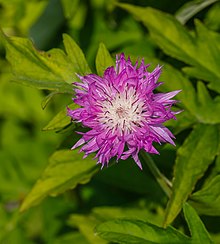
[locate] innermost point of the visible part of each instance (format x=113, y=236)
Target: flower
x=122, y=111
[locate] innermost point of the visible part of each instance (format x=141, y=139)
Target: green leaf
x=208, y=48
x=74, y=237
x=142, y=211
x=212, y=18
x=76, y=56
x=47, y=99
x=70, y=8
x=86, y=225
x=52, y=70
x=201, y=51
x=193, y=159
x=207, y=109
x=200, y=104
x=188, y=10
x=137, y=231
x=65, y=171
x=103, y=59
x=60, y=120
x=207, y=200
x=184, y=121
x=201, y=107
x=197, y=229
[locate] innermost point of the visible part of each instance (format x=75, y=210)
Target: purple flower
x=122, y=111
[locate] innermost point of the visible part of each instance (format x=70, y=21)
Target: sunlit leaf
x=193, y=159
x=151, y=212
x=76, y=56
x=65, y=171
x=103, y=59
x=53, y=70
x=60, y=120
x=201, y=51
x=188, y=10
x=201, y=107
x=86, y=225
x=137, y=231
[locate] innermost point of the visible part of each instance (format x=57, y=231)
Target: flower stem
x=164, y=183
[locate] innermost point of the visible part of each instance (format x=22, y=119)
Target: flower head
x=122, y=111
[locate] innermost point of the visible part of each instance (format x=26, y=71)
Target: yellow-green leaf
x=103, y=59
x=65, y=171
x=76, y=56
x=201, y=51
x=60, y=120
x=52, y=70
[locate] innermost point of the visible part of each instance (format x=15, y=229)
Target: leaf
x=188, y=10
x=76, y=56
x=137, y=231
x=52, y=70
x=184, y=121
x=142, y=211
x=207, y=109
x=86, y=225
x=207, y=200
x=193, y=159
x=70, y=8
x=74, y=237
x=103, y=59
x=201, y=51
x=48, y=98
x=65, y=171
x=197, y=229
x=207, y=45
x=201, y=107
x=212, y=18
x=200, y=104
x=60, y=120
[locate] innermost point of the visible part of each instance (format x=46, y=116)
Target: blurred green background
x=25, y=148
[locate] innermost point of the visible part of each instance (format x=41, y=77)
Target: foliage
x=68, y=198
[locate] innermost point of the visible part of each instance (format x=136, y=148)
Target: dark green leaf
x=65, y=171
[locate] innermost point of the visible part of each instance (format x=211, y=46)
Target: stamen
x=123, y=112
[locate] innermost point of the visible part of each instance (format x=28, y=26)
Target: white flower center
x=124, y=111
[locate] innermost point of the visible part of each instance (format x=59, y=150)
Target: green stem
x=164, y=183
